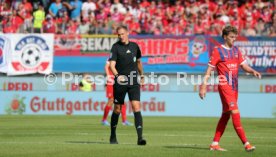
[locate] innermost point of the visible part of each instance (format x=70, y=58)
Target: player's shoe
x=113, y=140
x=216, y=148
x=127, y=123
x=142, y=142
x=105, y=123
x=249, y=148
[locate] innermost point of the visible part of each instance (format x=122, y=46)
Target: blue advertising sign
x=260, y=52
x=161, y=54
x=167, y=54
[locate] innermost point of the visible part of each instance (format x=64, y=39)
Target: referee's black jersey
x=126, y=56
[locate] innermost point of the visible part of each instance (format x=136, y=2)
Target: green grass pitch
x=83, y=136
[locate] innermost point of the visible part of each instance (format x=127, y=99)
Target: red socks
x=221, y=126
x=123, y=111
x=106, y=111
x=236, y=119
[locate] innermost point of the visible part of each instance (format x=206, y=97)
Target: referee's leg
x=119, y=93
x=134, y=97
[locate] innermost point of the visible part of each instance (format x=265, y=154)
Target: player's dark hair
x=229, y=29
x=121, y=27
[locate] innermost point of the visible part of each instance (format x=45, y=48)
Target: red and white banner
x=28, y=54
x=4, y=47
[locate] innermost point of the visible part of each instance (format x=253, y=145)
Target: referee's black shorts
x=120, y=92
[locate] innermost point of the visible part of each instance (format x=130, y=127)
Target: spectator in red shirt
x=49, y=25
x=231, y=6
x=10, y=25
x=134, y=27
x=236, y=21
x=25, y=12
x=104, y=5
x=116, y=16
x=265, y=15
x=149, y=12
x=212, y=6
x=144, y=4
x=72, y=27
x=62, y=23
x=127, y=17
x=18, y=21
x=28, y=7
x=152, y=8
x=206, y=20
x=199, y=28
x=256, y=13
x=179, y=8
x=101, y=15
x=157, y=31
x=5, y=10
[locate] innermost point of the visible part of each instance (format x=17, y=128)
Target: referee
x=125, y=64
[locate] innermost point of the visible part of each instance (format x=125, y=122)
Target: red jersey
x=108, y=71
x=110, y=80
x=109, y=74
x=227, y=62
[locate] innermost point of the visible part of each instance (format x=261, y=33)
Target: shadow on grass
x=187, y=147
x=96, y=142
x=86, y=142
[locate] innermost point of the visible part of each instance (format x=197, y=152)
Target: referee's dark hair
x=121, y=27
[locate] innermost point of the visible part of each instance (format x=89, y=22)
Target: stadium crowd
x=157, y=17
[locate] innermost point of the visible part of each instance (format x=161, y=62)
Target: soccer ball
x=31, y=57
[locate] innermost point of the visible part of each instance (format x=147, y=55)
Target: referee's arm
x=140, y=67
x=139, y=62
x=113, y=69
x=113, y=59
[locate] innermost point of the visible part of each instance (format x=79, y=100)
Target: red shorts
x=228, y=99
x=109, y=91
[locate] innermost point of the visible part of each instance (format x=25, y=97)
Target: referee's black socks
x=114, y=122
x=138, y=124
